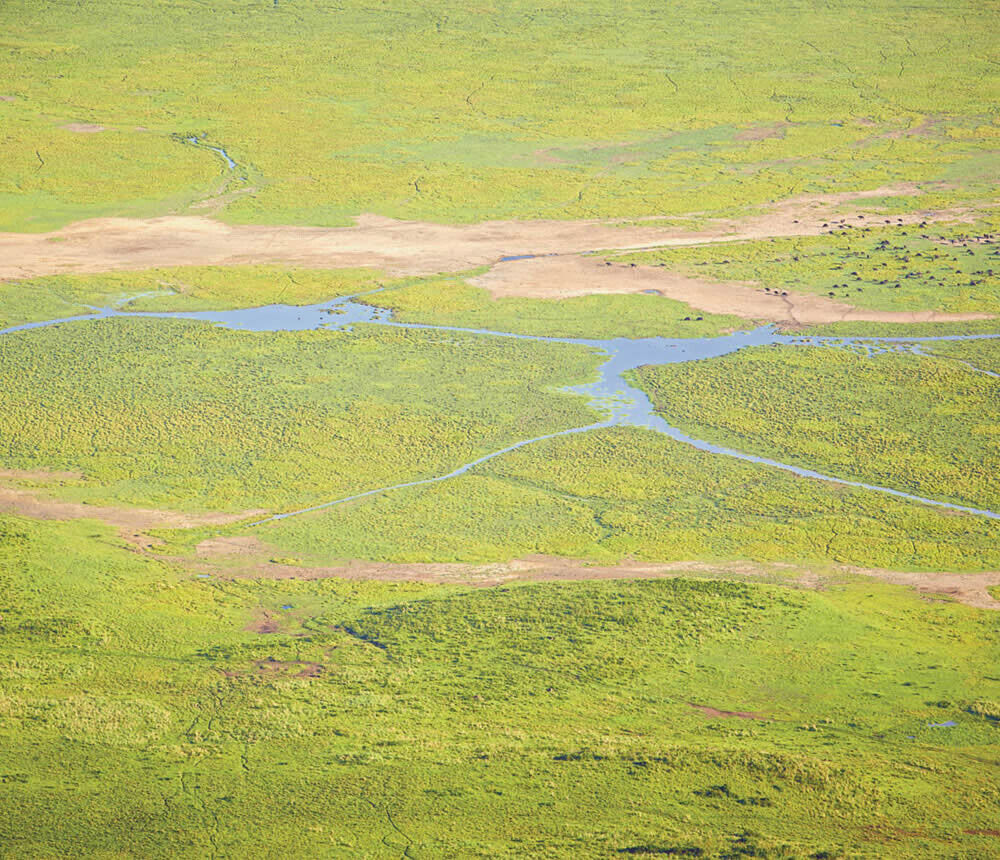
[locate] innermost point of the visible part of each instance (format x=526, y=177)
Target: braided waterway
x=621, y=403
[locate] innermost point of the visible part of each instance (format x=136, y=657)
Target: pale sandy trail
x=247, y=557
x=396, y=247
x=132, y=523
x=564, y=276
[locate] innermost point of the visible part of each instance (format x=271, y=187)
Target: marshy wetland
x=512, y=431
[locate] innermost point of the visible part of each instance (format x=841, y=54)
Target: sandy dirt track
x=244, y=557
x=397, y=247
x=130, y=521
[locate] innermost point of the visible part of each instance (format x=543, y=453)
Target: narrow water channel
x=611, y=394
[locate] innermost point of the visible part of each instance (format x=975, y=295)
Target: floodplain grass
x=180, y=288
x=142, y=716
x=451, y=301
x=625, y=493
x=880, y=329
x=446, y=300
x=184, y=415
x=870, y=265
x=915, y=423
x=981, y=354
x=181, y=415
x=448, y=114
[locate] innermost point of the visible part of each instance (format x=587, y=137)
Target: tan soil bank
x=560, y=277
x=397, y=247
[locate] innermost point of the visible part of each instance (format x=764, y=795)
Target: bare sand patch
x=274, y=668
x=762, y=132
x=561, y=277
x=926, y=128
x=396, y=247
x=38, y=475
x=132, y=523
x=968, y=588
x=230, y=546
x=8, y=99
x=83, y=127
x=263, y=623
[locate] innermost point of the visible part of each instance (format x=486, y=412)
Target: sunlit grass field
x=142, y=718
x=182, y=414
x=622, y=493
x=876, y=266
x=505, y=110
x=161, y=695
x=915, y=423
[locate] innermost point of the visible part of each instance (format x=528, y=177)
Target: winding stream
x=622, y=403
x=218, y=150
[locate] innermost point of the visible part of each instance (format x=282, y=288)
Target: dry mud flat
x=397, y=247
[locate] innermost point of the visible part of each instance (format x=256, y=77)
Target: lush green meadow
x=185, y=415
x=141, y=716
x=512, y=109
x=622, y=493
x=213, y=691
x=981, y=354
x=924, y=425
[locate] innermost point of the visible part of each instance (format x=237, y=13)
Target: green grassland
x=142, y=718
x=144, y=710
x=183, y=414
x=622, y=493
x=919, y=424
x=880, y=329
x=509, y=109
x=890, y=268
x=451, y=301
x=981, y=354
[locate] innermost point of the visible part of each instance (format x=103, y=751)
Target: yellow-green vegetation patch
x=868, y=264
x=143, y=715
x=463, y=114
x=920, y=424
x=451, y=301
x=982, y=355
x=180, y=414
x=628, y=493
